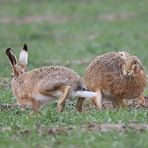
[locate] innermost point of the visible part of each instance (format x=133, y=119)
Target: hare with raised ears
x=37, y=87
x=116, y=76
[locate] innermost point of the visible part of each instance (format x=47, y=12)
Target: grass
x=70, y=33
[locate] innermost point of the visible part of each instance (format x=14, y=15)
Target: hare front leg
x=118, y=103
x=62, y=99
x=79, y=104
x=97, y=101
x=122, y=103
x=28, y=102
x=35, y=105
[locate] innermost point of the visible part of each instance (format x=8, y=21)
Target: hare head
x=131, y=66
x=18, y=67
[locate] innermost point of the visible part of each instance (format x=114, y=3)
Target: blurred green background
x=72, y=32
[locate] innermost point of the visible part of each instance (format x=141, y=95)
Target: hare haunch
x=39, y=86
x=116, y=76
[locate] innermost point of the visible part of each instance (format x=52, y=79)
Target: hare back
x=115, y=85
x=50, y=73
x=55, y=72
x=102, y=66
x=105, y=73
x=109, y=62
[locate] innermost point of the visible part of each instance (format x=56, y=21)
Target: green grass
x=70, y=31
x=70, y=128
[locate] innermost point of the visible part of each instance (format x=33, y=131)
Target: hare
x=39, y=86
x=116, y=76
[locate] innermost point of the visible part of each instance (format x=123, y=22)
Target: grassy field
x=71, y=33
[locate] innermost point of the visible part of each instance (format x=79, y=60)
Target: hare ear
x=23, y=57
x=11, y=56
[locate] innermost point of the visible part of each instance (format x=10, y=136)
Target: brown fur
x=118, y=75
x=35, y=87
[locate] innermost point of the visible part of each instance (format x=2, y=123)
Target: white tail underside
x=85, y=94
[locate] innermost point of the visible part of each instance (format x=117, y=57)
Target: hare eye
x=135, y=62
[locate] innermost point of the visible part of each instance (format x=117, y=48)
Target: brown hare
x=116, y=76
x=39, y=86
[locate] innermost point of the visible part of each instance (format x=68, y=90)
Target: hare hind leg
x=79, y=104
x=97, y=101
x=61, y=102
x=141, y=100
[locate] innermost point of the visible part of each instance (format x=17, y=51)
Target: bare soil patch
x=130, y=103
x=87, y=127
x=33, y=19
x=116, y=127
x=116, y=16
